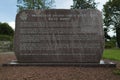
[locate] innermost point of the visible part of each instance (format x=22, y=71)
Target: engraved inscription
x=59, y=36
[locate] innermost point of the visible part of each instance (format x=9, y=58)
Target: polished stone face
x=59, y=35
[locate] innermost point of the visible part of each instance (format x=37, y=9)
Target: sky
x=8, y=9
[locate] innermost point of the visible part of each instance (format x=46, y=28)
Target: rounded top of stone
x=96, y=10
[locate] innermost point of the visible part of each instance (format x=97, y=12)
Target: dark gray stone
x=102, y=63
x=59, y=36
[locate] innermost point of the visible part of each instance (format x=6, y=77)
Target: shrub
x=5, y=29
x=6, y=38
x=110, y=44
x=116, y=72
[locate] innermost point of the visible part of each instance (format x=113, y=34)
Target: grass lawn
x=112, y=54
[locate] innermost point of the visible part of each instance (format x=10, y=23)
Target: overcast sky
x=8, y=9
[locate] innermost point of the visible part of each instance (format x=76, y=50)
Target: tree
x=5, y=29
x=107, y=37
x=34, y=4
x=112, y=17
x=6, y=32
x=84, y=4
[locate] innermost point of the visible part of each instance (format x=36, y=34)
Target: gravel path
x=54, y=73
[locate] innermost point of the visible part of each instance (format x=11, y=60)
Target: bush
x=110, y=44
x=116, y=72
x=6, y=38
x=6, y=46
x=5, y=29
x=6, y=43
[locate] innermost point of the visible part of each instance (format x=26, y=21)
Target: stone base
x=101, y=64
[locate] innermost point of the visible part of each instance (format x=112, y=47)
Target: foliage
x=116, y=72
x=112, y=54
x=6, y=38
x=112, y=16
x=111, y=43
x=84, y=4
x=106, y=34
x=6, y=46
x=34, y=4
x=5, y=29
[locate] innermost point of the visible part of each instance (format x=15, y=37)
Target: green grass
x=112, y=54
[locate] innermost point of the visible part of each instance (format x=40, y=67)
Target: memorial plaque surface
x=59, y=35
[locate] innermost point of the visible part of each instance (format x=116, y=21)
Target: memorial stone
x=59, y=36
